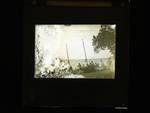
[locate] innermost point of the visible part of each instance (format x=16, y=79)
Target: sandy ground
x=74, y=76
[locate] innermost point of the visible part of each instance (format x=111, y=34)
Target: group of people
x=89, y=67
x=60, y=68
x=92, y=66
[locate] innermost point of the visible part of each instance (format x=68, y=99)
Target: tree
x=104, y=39
x=38, y=55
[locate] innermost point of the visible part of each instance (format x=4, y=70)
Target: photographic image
x=75, y=51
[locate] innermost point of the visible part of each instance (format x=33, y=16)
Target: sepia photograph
x=75, y=51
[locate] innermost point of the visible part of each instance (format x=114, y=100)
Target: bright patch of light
x=54, y=39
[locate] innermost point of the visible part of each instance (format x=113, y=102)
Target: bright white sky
x=53, y=40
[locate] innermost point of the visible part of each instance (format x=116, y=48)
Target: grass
x=105, y=74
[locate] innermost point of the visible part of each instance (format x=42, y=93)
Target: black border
x=99, y=93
